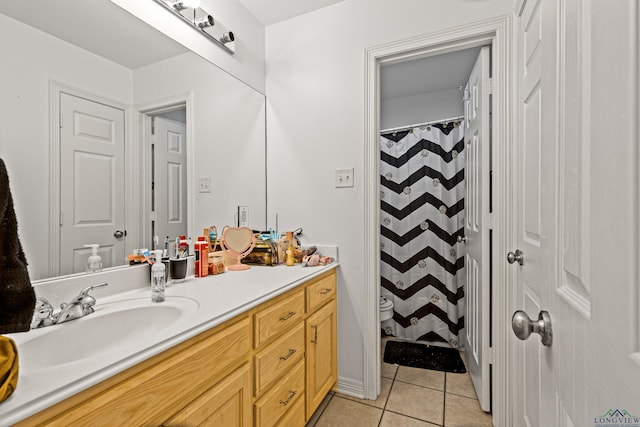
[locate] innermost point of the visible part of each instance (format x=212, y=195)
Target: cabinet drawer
x=281, y=316
x=321, y=291
x=278, y=358
x=294, y=416
x=278, y=400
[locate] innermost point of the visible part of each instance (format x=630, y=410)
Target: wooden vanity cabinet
x=270, y=366
x=228, y=404
x=322, y=355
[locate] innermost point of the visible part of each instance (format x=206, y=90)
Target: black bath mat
x=423, y=356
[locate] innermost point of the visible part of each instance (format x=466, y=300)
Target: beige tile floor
x=410, y=397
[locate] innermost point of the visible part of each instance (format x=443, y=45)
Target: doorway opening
x=491, y=33
x=168, y=159
x=434, y=161
x=166, y=156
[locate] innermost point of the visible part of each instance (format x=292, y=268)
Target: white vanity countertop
x=220, y=298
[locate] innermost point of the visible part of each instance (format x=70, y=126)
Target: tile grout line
x=413, y=418
x=386, y=401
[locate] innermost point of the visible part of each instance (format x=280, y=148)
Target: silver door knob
x=523, y=326
x=119, y=234
x=462, y=239
x=515, y=256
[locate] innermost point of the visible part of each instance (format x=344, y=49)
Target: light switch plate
x=205, y=184
x=243, y=216
x=344, y=178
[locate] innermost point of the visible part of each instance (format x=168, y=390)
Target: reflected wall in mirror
x=123, y=73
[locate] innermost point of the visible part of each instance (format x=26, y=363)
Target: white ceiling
x=103, y=28
x=425, y=75
x=273, y=11
x=98, y=26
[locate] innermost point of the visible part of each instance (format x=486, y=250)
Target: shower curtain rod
x=452, y=119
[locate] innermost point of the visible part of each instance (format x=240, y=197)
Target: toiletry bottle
x=183, y=247
x=157, y=278
x=201, y=249
x=213, y=238
x=289, y=257
x=94, y=263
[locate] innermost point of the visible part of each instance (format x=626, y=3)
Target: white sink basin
x=116, y=326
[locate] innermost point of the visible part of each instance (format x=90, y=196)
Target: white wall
x=30, y=60
x=248, y=62
x=315, y=119
x=229, y=133
x=421, y=108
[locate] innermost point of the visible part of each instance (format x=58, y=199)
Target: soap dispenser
x=94, y=263
x=157, y=278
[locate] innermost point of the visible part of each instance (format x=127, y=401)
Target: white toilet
x=386, y=309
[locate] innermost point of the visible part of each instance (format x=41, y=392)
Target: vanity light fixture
x=227, y=37
x=184, y=4
x=204, y=22
x=200, y=20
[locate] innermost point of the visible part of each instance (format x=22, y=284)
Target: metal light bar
x=201, y=21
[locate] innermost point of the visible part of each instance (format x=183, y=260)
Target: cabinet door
x=322, y=355
x=228, y=403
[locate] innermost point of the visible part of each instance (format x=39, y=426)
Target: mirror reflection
x=113, y=134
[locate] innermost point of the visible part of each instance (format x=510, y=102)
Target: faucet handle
x=84, y=298
x=43, y=308
x=42, y=312
x=86, y=290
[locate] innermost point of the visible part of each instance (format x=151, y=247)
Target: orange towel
x=8, y=367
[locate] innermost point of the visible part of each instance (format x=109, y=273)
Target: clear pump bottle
x=157, y=278
x=94, y=262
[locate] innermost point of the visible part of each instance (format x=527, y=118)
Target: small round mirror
x=238, y=242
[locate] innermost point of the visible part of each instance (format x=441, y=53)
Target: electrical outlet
x=205, y=184
x=243, y=216
x=344, y=178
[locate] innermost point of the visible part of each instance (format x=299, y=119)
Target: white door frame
x=142, y=186
x=497, y=32
x=55, y=90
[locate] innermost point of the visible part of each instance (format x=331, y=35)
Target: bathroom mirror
x=98, y=52
x=238, y=242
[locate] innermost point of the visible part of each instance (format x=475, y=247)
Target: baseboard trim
x=351, y=387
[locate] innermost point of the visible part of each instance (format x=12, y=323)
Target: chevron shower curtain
x=422, y=214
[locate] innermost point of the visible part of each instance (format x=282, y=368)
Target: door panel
x=170, y=177
x=536, y=210
x=321, y=355
x=91, y=182
x=477, y=292
x=531, y=360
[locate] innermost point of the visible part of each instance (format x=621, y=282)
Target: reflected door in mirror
x=169, y=178
x=92, y=186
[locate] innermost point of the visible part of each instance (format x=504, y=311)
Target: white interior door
x=576, y=213
x=478, y=282
x=169, y=178
x=536, y=212
x=92, y=183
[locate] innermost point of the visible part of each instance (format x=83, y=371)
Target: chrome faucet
x=79, y=306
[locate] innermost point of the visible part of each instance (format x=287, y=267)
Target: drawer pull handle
x=288, y=316
x=315, y=334
x=292, y=351
x=325, y=291
x=292, y=393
